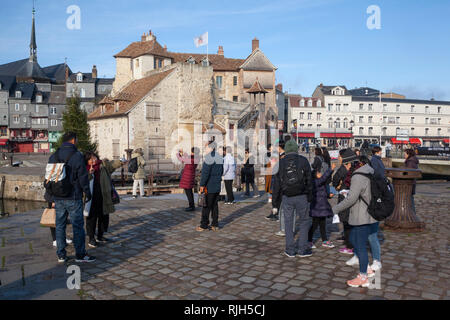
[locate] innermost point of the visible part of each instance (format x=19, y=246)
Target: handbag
x=202, y=203
x=48, y=218
x=87, y=205
x=114, y=195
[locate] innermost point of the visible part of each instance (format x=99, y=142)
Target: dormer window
x=337, y=92
x=18, y=94
x=79, y=77
x=205, y=62
x=319, y=103
x=39, y=98
x=302, y=103
x=191, y=60
x=310, y=103
x=116, y=107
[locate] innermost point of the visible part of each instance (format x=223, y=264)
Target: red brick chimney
x=321, y=85
x=165, y=47
x=67, y=72
x=94, y=72
x=255, y=44
x=220, y=51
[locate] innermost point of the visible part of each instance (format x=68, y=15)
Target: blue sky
x=310, y=41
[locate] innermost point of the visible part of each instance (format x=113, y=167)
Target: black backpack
x=292, y=177
x=382, y=202
x=133, y=165
x=60, y=185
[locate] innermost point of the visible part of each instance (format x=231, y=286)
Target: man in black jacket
x=72, y=204
x=293, y=183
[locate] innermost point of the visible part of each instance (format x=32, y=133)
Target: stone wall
x=23, y=187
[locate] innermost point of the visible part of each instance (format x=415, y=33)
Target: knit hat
x=349, y=156
x=291, y=146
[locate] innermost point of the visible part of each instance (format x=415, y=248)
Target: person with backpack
x=187, y=180
x=346, y=158
x=210, y=183
x=68, y=197
x=293, y=183
x=320, y=207
x=137, y=165
x=102, y=203
x=363, y=224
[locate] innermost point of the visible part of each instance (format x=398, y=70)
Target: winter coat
x=140, y=173
x=412, y=163
x=320, y=207
x=188, y=176
x=249, y=170
x=359, y=189
x=212, y=170
x=229, y=167
x=377, y=165
x=75, y=170
x=106, y=169
x=339, y=183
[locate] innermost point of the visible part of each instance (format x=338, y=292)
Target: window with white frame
x=39, y=98
x=439, y=109
x=54, y=123
x=302, y=103
x=384, y=131
x=361, y=106
x=18, y=94
x=385, y=107
x=319, y=103
x=82, y=93
x=330, y=107
x=24, y=107
x=338, y=107
x=426, y=120
x=79, y=77
x=53, y=110
x=16, y=119
x=309, y=115
x=361, y=119
x=301, y=115
x=361, y=131
x=427, y=109
x=397, y=108
x=310, y=103
x=219, y=82
x=17, y=107
x=37, y=108
x=412, y=120
x=439, y=131
x=318, y=116
x=370, y=131
x=397, y=120
x=413, y=108
x=370, y=107
x=370, y=119
x=345, y=107
x=427, y=131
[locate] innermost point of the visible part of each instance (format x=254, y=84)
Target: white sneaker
x=270, y=200
x=376, y=265
x=280, y=234
x=68, y=241
x=353, y=261
x=54, y=243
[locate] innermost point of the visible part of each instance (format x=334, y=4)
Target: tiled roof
x=217, y=62
x=257, y=88
x=129, y=96
x=137, y=49
x=295, y=101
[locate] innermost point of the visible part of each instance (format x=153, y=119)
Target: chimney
x=165, y=47
x=143, y=37
x=220, y=51
x=94, y=72
x=255, y=44
x=67, y=73
x=321, y=85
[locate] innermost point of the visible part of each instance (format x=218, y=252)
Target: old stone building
x=175, y=91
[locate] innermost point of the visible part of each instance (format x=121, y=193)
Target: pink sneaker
x=346, y=251
x=359, y=281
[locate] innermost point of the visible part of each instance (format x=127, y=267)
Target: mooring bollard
x=404, y=217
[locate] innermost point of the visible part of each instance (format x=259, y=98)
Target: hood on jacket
x=291, y=146
x=366, y=169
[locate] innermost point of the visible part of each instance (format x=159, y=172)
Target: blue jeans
x=75, y=210
x=359, y=236
x=374, y=242
x=299, y=206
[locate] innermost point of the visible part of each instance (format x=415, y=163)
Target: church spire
x=33, y=47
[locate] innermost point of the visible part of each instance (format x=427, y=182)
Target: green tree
x=75, y=120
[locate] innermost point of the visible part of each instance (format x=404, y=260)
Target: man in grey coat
x=360, y=219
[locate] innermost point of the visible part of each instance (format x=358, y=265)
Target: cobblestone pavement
x=157, y=254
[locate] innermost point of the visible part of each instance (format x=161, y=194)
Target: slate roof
x=7, y=82
x=361, y=92
x=87, y=78
x=24, y=69
x=57, y=97
x=326, y=90
x=129, y=96
x=27, y=90
x=56, y=72
x=394, y=100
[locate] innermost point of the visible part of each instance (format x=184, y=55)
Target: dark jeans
x=318, y=221
x=190, y=197
x=95, y=220
x=296, y=205
x=212, y=200
x=247, y=188
x=229, y=188
x=347, y=230
x=73, y=208
x=359, y=237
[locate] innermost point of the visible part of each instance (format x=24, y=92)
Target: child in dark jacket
x=320, y=207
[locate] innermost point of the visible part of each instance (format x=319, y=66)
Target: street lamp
x=335, y=140
x=352, y=123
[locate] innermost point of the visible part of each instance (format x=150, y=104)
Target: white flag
x=202, y=40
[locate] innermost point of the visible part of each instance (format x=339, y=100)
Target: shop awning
x=415, y=141
x=3, y=142
x=395, y=141
x=303, y=135
x=337, y=135
x=447, y=141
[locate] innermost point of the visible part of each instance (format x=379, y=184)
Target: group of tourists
x=299, y=194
